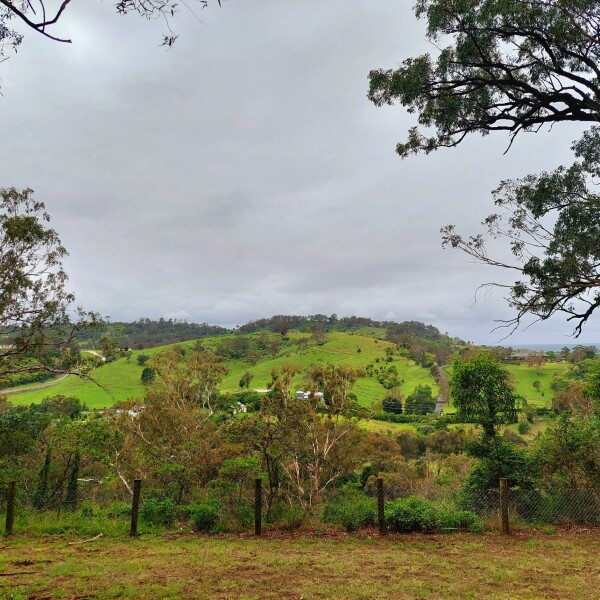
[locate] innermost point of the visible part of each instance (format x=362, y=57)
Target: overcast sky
x=244, y=173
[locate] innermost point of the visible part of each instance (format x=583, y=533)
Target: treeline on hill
x=199, y=452
x=425, y=344
x=283, y=323
x=147, y=333
x=31, y=368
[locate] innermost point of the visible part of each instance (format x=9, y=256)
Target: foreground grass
x=451, y=566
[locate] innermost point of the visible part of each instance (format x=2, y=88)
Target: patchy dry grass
x=561, y=566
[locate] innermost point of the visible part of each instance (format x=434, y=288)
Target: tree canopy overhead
x=514, y=66
x=511, y=65
x=44, y=17
x=552, y=222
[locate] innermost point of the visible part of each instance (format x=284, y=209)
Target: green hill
x=120, y=379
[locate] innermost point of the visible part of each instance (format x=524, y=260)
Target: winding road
x=437, y=411
x=46, y=384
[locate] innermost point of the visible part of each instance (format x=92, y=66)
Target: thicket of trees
x=146, y=333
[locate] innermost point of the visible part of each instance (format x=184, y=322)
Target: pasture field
x=387, y=427
x=120, y=380
x=329, y=565
x=122, y=377
x=524, y=377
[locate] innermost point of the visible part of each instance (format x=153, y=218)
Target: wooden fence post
x=10, y=508
x=258, y=506
x=380, y=506
x=504, y=505
x=135, y=506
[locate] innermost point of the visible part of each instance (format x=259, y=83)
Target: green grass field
x=524, y=377
x=122, y=378
x=332, y=565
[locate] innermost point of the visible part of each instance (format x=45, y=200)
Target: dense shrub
x=524, y=427
x=158, y=511
x=244, y=513
x=204, y=516
x=394, y=418
x=291, y=518
x=459, y=519
x=351, y=510
x=118, y=510
x=502, y=459
x=406, y=515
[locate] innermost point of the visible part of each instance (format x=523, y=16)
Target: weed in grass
x=548, y=530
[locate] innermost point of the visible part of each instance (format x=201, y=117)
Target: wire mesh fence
x=519, y=507
x=560, y=506
x=554, y=506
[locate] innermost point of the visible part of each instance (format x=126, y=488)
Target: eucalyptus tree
x=482, y=393
x=39, y=325
x=45, y=17
x=515, y=66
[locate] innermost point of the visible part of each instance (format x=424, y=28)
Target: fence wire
x=561, y=506
x=555, y=506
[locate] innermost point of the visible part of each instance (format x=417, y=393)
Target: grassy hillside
x=524, y=377
x=122, y=377
x=340, y=348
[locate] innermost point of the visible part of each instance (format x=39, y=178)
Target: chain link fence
x=560, y=506
x=557, y=506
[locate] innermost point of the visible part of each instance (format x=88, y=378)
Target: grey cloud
x=244, y=173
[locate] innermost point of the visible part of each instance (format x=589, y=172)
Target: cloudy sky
x=244, y=173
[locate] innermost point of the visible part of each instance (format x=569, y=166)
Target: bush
x=158, y=511
x=244, y=513
x=204, y=516
x=292, y=518
x=118, y=510
x=524, y=427
x=459, y=519
x=351, y=510
x=393, y=418
x=406, y=515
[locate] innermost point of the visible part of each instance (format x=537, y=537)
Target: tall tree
x=482, y=393
x=552, y=224
x=36, y=314
x=174, y=443
x=510, y=66
x=245, y=380
x=516, y=66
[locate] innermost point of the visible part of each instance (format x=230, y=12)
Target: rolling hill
x=120, y=380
